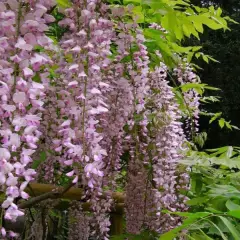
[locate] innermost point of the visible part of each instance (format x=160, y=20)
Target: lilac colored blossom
x=21, y=98
x=185, y=75
x=82, y=145
x=79, y=117
x=168, y=139
x=79, y=223
x=138, y=79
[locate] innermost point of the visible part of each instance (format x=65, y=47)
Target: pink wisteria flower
x=21, y=99
x=96, y=106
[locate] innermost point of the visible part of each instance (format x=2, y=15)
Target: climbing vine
x=96, y=92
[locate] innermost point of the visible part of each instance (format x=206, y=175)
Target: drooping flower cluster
x=84, y=107
x=169, y=140
x=137, y=76
x=185, y=75
x=22, y=27
x=49, y=128
x=104, y=100
x=78, y=223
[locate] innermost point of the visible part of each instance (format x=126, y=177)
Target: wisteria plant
x=95, y=89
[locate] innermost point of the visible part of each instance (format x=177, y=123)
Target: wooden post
x=116, y=227
x=117, y=219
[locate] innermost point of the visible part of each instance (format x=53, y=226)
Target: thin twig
x=49, y=195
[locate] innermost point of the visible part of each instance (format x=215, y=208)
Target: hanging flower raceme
x=22, y=27
x=167, y=141
x=186, y=75
x=135, y=72
x=78, y=223
x=119, y=99
x=50, y=169
x=81, y=135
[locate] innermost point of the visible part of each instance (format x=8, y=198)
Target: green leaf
x=138, y=118
x=203, y=235
x=232, y=206
x=196, y=48
x=117, y=237
x=197, y=201
x=154, y=4
x=229, y=152
x=132, y=1
x=192, y=218
x=226, y=191
x=213, y=59
x=234, y=213
x=210, y=87
x=216, y=115
x=231, y=227
x=213, y=210
x=216, y=151
x=205, y=58
x=170, y=235
x=64, y=3
x=130, y=236
x=153, y=34
x=199, y=184
x=190, y=56
x=196, y=86
x=42, y=158
x=37, y=78
x=210, y=99
x=39, y=49
x=221, y=21
x=197, y=55
x=180, y=49
x=164, y=47
x=137, y=11
x=228, y=125
x=210, y=23
x=189, y=237
x=219, y=230
x=188, y=214
x=198, y=26
x=221, y=122
x=219, y=11
x=230, y=20
x=235, y=127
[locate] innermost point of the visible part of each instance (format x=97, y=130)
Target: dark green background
x=225, y=47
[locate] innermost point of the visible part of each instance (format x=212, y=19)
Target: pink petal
x=30, y=39
x=27, y=72
x=68, y=162
x=70, y=174
x=19, y=97
x=21, y=44
x=75, y=180
x=95, y=91
x=3, y=232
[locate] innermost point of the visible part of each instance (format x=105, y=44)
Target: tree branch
x=43, y=192
x=35, y=200
x=53, y=194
